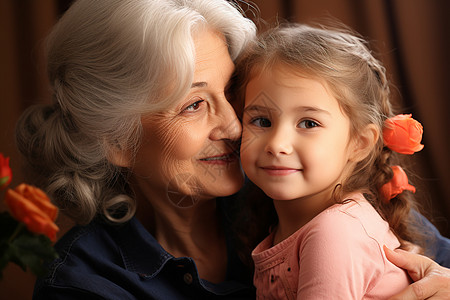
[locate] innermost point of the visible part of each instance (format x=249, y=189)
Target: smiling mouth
x=279, y=171
x=221, y=159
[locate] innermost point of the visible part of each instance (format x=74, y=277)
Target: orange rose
x=31, y=206
x=5, y=172
x=396, y=185
x=403, y=134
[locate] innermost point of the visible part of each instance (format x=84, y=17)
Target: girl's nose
x=279, y=142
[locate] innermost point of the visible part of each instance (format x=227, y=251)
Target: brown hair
x=358, y=81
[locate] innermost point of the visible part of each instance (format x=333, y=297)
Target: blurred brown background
x=412, y=38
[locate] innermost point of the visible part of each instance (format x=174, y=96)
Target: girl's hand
x=432, y=281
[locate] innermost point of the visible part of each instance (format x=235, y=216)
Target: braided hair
x=358, y=81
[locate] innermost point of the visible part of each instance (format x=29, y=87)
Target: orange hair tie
x=403, y=134
x=396, y=185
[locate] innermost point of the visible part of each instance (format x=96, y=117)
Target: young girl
x=317, y=139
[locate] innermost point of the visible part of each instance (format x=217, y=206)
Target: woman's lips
x=279, y=170
x=221, y=159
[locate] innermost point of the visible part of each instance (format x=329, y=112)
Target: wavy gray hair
x=109, y=62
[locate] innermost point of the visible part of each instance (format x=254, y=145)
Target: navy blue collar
x=134, y=238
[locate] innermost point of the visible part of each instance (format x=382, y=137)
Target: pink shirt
x=337, y=255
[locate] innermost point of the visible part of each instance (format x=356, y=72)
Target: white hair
x=110, y=61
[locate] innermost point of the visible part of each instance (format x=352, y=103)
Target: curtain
x=411, y=37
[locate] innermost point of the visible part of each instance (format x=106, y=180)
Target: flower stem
x=16, y=232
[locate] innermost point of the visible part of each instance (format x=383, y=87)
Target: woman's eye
x=261, y=122
x=194, y=106
x=308, y=124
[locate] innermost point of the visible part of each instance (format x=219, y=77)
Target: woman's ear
x=364, y=142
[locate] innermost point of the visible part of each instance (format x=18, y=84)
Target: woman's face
x=189, y=152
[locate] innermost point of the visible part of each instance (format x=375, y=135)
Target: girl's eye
x=308, y=124
x=194, y=106
x=261, y=122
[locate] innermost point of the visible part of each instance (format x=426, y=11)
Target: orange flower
x=31, y=206
x=403, y=134
x=5, y=172
x=396, y=185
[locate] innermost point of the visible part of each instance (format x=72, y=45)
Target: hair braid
x=397, y=210
x=359, y=82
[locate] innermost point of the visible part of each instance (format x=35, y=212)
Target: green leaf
x=32, y=250
x=26, y=249
x=4, y=180
x=5, y=257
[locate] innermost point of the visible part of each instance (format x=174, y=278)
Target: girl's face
x=188, y=152
x=296, y=140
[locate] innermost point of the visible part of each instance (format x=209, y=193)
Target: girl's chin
x=277, y=196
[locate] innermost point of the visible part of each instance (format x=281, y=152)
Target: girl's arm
x=432, y=280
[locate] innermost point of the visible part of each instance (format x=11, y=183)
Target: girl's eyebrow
x=255, y=107
x=312, y=109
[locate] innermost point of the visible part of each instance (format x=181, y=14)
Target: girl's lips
x=221, y=159
x=279, y=170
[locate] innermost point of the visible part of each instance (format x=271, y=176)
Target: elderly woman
x=139, y=147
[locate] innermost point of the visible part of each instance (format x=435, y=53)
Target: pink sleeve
x=338, y=260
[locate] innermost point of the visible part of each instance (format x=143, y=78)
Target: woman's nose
x=228, y=125
x=279, y=142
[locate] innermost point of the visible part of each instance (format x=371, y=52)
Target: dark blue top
x=438, y=247
x=104, y=261
x=442, y=250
